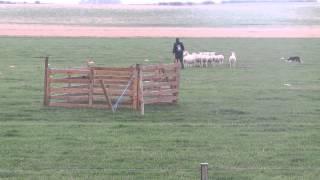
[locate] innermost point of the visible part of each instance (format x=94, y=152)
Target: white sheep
x=232, y=60
x=202, y=59
x=220, y=58
x=206, y=59
x=189, y=59
x=211, y=59
x=198, y=59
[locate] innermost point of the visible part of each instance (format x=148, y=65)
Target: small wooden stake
x=204, y=171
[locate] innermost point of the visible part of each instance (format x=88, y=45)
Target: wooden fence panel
x=101, y=87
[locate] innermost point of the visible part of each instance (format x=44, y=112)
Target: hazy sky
x=124, y=1
x=49, y=1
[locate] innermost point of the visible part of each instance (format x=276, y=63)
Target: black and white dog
x=294, y=59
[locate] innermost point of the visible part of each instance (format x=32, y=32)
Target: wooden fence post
x=136, y=88
x=141, y=94
x=204, y=171
x=177, y=71
x=140, y=101
x=46, y=82
x=135, y=84
x=91, y=86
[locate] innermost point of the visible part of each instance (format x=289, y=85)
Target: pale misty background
x=127, y=1
x=123, y=1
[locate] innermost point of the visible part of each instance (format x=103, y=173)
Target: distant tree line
x=11, y=2
x=258, y=1
x=7, y=2
x=178, y=3
x=100, y=1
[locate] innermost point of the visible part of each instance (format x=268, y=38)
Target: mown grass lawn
x=245, y=122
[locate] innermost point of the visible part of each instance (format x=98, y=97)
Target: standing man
x=178, y=49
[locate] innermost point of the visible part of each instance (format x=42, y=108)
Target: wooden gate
x=160, y=83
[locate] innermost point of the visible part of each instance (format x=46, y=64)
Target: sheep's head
x=90, y=62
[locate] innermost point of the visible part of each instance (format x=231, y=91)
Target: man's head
x=177, y=40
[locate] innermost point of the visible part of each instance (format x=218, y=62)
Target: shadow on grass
x=11, y=133
x=232, y=112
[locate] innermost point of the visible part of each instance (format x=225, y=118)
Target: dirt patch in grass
x=31, y=30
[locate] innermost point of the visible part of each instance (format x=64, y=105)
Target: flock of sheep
x=201, y=59
x=207, y=59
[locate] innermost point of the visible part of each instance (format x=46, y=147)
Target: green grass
x=244, y=122
x=226, y=15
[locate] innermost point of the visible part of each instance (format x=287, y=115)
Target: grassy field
x=244, y=122
x=227, y=15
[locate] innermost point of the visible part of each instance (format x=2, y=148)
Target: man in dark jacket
x=177, y=50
